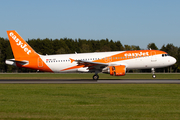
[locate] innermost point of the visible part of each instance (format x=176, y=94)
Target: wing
x=91, y=66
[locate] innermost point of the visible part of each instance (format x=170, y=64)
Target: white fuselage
x=57, y=63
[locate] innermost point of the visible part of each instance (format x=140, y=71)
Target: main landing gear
x=153, y=71
x=95, y=77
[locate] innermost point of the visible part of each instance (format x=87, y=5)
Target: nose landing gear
x=154, y=76
x=153, y=72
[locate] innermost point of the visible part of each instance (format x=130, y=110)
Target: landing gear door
x=153, y=57
x=40, y=62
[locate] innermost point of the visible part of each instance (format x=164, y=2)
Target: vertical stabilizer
x=19, y=46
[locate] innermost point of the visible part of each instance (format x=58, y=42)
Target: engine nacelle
x=119, y=70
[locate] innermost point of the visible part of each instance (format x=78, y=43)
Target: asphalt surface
x=88, y=81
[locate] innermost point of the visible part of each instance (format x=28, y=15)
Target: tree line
x=68, y=45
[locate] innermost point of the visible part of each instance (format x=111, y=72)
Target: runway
x=88, y=81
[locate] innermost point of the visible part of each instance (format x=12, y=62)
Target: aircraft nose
x=173, y=60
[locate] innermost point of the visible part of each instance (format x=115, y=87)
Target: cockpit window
x=163, y=55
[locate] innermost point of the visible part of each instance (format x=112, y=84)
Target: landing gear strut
x=95, y=77
x=153, y=71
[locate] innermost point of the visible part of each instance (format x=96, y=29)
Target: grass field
x=84, y=76
x=90, y=101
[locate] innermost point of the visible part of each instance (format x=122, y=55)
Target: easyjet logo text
x=19, y=43
x=137, y=54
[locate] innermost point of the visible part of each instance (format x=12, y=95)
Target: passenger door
x=40, y=62
x=153, y=57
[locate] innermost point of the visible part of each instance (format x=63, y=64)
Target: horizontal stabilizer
x=13, y=62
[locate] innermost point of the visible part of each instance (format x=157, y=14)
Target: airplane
x=115, y=63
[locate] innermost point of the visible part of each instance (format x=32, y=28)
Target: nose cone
x=173, y=60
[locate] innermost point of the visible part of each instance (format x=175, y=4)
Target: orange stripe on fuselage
x=74, y=67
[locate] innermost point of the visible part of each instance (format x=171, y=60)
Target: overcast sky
x=133, y=22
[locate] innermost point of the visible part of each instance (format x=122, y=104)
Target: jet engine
x=119, y=70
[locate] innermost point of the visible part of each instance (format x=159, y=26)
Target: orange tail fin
x=19, y=47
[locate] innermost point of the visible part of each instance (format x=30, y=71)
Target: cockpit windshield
x=164, y=55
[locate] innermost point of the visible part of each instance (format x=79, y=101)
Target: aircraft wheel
x=95, y=77
x=154, y=76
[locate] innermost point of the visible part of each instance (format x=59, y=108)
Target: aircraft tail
x=19, y=47
x=24, y=55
